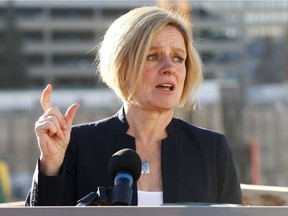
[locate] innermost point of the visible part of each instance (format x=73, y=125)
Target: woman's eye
x=178, y=59
x=152, y=57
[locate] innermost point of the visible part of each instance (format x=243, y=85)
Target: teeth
x=166, y=86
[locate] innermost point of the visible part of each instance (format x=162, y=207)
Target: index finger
x=45, y=98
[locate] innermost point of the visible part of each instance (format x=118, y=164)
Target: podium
x=144, y=211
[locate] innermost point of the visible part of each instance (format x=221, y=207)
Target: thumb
x=70, y=114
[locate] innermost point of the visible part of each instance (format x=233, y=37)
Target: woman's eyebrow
x=178, y=49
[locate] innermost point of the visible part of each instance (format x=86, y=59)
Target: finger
x=70, y=114
x=54, y=111
x=51, y=126
x=46, y=127
x=45, y=98
x=56, y=125
x=52, y=130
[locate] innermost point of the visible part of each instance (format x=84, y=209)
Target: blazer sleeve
x=45, y=190
x=229, y=190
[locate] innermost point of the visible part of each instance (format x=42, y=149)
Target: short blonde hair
x=122, y=53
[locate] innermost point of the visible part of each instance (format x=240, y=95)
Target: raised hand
x=53, y=133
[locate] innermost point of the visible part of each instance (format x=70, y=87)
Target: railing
x=260, y=195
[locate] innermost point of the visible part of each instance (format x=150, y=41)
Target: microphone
x=124, y=168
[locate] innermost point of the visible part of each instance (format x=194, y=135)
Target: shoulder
x=95, y=125
x=97, y=130
x=116, y=121
x=201, y=137
x=86, y=135
x=190, y=129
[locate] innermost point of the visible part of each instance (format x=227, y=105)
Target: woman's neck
x=145, y=125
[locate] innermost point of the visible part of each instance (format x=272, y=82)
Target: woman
x=148, y=59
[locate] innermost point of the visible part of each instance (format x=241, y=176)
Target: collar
x=124, y=124
x=120, y=115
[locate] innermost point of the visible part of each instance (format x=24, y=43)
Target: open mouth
x=166, y=87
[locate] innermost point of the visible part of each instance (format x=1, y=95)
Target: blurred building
x=58, y=35
x=234, y=35
x=58, y=38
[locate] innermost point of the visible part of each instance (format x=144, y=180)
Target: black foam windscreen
x=126, y=160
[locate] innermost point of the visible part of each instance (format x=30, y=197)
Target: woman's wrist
x=50, y=167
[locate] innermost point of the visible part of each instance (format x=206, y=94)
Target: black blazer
x=197, y=165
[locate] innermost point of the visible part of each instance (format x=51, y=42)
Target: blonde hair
x=123, y=51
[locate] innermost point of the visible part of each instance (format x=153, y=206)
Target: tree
x=12, y=70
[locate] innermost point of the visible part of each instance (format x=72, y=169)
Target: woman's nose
x=167, y=66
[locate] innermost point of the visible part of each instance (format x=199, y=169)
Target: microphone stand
x=121, y=167
x=100, y=198
x=119, y=194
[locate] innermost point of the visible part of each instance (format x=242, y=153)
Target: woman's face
x=164, y=74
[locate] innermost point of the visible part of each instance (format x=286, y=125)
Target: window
x=2, y=13
x=73, y=60
x=32, y=36
x=220, y=57
x=37, y=83
x=207, y=56
x=76, y=82
x=114, y=12
x=28, y=13
x=71, y=13
x=34, y=60
x=72, y=36
x=219, y=34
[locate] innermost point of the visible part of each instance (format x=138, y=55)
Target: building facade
x=59, y=37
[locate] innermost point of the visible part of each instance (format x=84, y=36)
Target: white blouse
x=150, y=198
